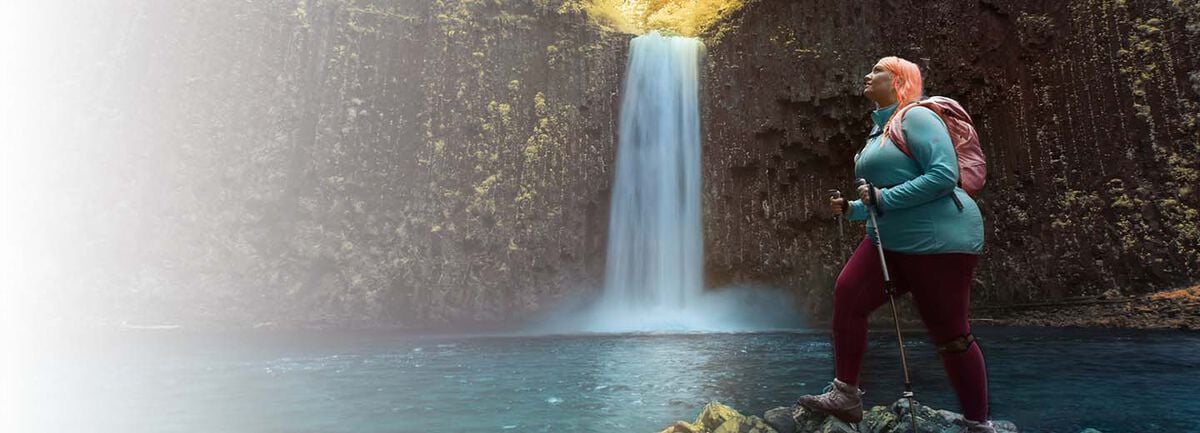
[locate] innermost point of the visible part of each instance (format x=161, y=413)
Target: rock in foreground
x=718, y=418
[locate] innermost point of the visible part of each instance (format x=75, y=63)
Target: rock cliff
x=427, y=163
x=1087, y=111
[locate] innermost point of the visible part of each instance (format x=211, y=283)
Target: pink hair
x=906, y=79
x=906, y=82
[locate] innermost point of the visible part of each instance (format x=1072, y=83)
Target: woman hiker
x=931, y=250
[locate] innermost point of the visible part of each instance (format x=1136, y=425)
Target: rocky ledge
x=1167, y=309
x=719, y=418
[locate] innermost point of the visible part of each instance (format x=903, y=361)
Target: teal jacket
x=919, y=216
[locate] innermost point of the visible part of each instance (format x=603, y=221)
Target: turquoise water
x=1045, y=380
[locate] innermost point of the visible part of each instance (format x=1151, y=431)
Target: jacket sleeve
x=930, y=145
x=858, y=211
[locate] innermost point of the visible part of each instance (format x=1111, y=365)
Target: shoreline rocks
x=1167, y=309
x=719, y=418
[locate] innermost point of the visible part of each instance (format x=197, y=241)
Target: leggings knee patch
x=957, y=345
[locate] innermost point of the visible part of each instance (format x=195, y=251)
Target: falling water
x=655, y=244
x=654, y=276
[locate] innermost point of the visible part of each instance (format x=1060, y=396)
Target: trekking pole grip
x=870, y=194
x=835, y=194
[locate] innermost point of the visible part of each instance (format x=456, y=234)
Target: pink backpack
x=972, y=169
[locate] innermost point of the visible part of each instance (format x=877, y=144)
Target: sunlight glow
x=683, y=17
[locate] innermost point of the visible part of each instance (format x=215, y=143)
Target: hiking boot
x=840, y=399
x=964, y=425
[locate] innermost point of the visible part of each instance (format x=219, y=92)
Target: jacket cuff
x=858, y=211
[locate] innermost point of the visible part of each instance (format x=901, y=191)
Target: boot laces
x=831, y=392
x=832, y=386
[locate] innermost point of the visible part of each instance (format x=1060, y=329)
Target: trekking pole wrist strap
x=873, y=194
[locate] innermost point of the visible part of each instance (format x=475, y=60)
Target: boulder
x=878, y=419
x=780, y=419
x=749, y=424
x=809, y=421
x=682, y=427
x=928, y=419
x=718, y=418
x=714, y=415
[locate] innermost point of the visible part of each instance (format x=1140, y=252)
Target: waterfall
x=654, y=264
x=653, y=281
x=655, y=258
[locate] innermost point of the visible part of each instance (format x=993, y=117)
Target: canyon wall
x=1087, y=111
x=428, y=163
x=334, y=163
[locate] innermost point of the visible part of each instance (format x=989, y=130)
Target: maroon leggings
x=940, y=284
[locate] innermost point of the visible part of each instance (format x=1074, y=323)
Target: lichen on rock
x=719, y=418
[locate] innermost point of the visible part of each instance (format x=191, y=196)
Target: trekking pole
x=833, y=193
x=890, y=288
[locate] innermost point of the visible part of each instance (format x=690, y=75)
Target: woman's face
x=878, y=86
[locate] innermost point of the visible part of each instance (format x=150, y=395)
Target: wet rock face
x=495, y=159
x=1087, y=111
x=430, y=162
x=344, y=163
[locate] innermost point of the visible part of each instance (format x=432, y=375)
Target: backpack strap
x=891, y=129
x=894, y=133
